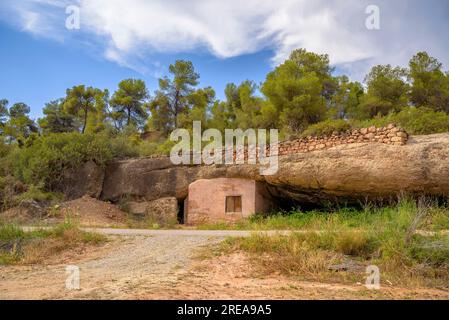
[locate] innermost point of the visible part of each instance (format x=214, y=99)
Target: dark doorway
x=181, y=211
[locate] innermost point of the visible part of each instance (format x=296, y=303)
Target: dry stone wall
x=391, y=134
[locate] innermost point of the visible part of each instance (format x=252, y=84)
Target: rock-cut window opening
x=233, y=204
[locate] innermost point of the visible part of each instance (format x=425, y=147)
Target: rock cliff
x=347, y=173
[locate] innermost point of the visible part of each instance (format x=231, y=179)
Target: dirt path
x=164, y=265
x=126, y=266
x=178, y=232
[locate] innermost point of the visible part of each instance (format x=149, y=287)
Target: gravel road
x=130, y=264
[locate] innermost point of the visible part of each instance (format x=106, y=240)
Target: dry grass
x=20, y=247
x=288, y=255
x=404, y=257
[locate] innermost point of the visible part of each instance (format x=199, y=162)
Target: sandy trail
x=165, y=265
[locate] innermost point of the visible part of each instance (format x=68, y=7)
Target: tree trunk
x=176, y=111
x=85, y=121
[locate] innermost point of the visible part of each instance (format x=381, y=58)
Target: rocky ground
x=171, y=265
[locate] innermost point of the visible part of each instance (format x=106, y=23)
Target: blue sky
x=37, y=70
x=228, y=41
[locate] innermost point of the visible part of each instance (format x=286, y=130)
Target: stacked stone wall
x=391, y=135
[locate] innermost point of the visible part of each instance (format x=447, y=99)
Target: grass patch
x=385, y=237
x=436, y=218
x=21, y=247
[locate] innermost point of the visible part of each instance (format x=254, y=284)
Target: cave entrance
x=289, y=200
x=182, y=203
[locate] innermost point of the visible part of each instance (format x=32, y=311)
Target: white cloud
x=225, y=28
x=130, y=29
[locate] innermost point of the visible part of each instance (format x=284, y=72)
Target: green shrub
x=326, y=128
x=430, y=250
x=417, y=121
x=36, y=193
x=124, y=147
x=46, y=160
x=5, y=163
x=422, y=121
x=7, y=192
x=9, y=232
x=147, y=148
x=4, y=148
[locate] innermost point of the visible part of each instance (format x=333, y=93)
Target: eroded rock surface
x=163, y=210
x=345, y=173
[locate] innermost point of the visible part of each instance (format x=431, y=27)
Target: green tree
x=81, y=102
x=430, y=85
x=99, y=119
x=346, y=100
x=56, y=120
x=128, y=103
x=247, y=111
x=171, y=100
x=3, y=113
x=319, y=64
x=200, y=103
x=387, y=92
x=218, y=117
x=232, y=103
x=241, y=109
x=19, y=125
x=300, y=90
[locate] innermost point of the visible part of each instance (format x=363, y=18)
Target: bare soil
x=170, y=265
x=85, y=211
x=91, y=212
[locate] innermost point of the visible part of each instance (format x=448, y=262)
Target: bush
x=415, y=121
x=8, y=189
x=123, y=147
x=46, y=160
x=4, y=149
x=147, y=148
x=326, y=128
x=430, y=250
x=5, y=163
x=36, y=193
x=160, y=148
x=422, y=121
x=9, y=232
